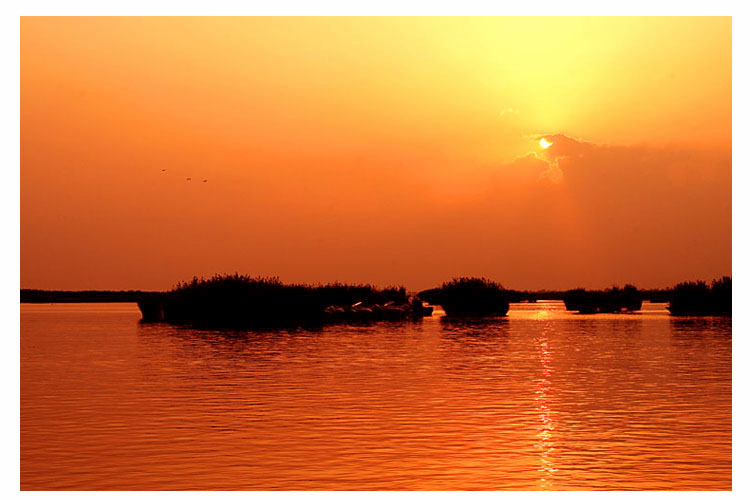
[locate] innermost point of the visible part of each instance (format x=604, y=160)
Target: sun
x=544, y=143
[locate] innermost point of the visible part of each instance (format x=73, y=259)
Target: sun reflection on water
x=543, y=314
x=545, y=437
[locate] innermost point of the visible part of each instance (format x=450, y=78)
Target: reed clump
x=610, y=300
x=469, y=297
x=696, y=298
x=239, y=301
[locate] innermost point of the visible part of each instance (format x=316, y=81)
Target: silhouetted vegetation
x=696, y=298
x=243, y=300
x=469, y=297
x=611, y=300
x=237, y=301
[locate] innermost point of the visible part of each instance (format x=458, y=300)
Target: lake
x=542, y=399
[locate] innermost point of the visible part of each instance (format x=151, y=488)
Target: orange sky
x=379, y=150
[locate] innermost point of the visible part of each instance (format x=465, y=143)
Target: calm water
x=543, y=399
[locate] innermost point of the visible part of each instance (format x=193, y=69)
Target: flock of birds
x=188, y=179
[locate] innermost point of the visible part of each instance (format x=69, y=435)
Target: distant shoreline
x=34, y=296
x=37, y=296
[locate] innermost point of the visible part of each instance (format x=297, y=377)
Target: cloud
x=562, y=147
x=565, y=146
x=606, y=214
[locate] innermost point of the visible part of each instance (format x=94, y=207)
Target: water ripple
x=543, y=399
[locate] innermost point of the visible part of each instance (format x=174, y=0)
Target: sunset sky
x=377, y=150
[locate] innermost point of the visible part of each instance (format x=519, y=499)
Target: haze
x=376, y=150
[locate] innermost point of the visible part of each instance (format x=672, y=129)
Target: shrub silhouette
x=469, y=297
x=696, y=298
x=236, y=301
x=614, y=299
